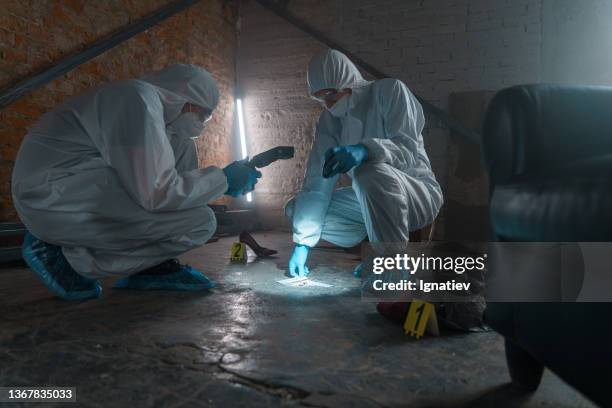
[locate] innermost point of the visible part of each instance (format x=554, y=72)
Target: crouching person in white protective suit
x=372, y=131
x=108, y=184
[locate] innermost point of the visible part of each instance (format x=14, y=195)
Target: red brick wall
x=36, y=34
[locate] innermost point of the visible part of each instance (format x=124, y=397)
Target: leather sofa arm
x=539, y=130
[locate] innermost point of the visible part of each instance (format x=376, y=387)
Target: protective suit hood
x=332, y=69
x=181, y=83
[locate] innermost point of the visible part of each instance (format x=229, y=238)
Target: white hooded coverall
x=103, y=176
x=394, y=191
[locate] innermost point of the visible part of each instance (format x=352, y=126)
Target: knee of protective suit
x=289, y=207
x=209, y=222
x=204, y=225
x=370, y=177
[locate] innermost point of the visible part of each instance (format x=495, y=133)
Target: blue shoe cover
x=185, y=278
x=51, y=266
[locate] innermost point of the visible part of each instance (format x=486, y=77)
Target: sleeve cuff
x=217, y=180
x=309, y=242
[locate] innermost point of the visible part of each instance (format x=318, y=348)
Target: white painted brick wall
x=435, y=46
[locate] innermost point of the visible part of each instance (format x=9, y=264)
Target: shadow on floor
x=502, y=396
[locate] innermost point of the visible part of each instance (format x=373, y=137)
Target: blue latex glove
x=341, y=159
x=358, y=271
x=240, y=178
x=297, y=263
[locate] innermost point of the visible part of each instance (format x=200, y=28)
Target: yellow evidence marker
x=418, y=319
x=238, y=252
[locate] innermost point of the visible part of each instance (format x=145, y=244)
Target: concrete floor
x=249, y=342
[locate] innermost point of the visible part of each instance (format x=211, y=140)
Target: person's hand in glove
x=341, y=159
x=241, y=178
x=297, y=263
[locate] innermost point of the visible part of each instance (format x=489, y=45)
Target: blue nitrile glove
x=341, y=159
x=240, y=178
x=298, y=261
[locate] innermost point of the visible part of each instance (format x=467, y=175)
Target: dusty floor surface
x=249, y=342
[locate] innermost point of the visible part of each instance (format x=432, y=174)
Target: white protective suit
x=394, y=191
x=104, y=176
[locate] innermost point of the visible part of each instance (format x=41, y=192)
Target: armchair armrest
x=539, y=130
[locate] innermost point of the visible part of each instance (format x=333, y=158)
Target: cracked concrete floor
x=249, y=342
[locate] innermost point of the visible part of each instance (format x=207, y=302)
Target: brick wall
x=36, y=34
x=436, y=47
x=272, y=59
x=574, y=31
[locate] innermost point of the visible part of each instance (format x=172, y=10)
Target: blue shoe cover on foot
x=51, y=266
x=184, y=278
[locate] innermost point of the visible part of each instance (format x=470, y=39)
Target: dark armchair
x=548, y=152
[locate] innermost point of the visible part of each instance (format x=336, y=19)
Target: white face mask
x=187, y=125
x=341, y=107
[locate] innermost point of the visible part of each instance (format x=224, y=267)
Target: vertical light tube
x=243, y=146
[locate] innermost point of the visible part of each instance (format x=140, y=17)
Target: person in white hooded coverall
x=372, y=131
x=108, y=184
